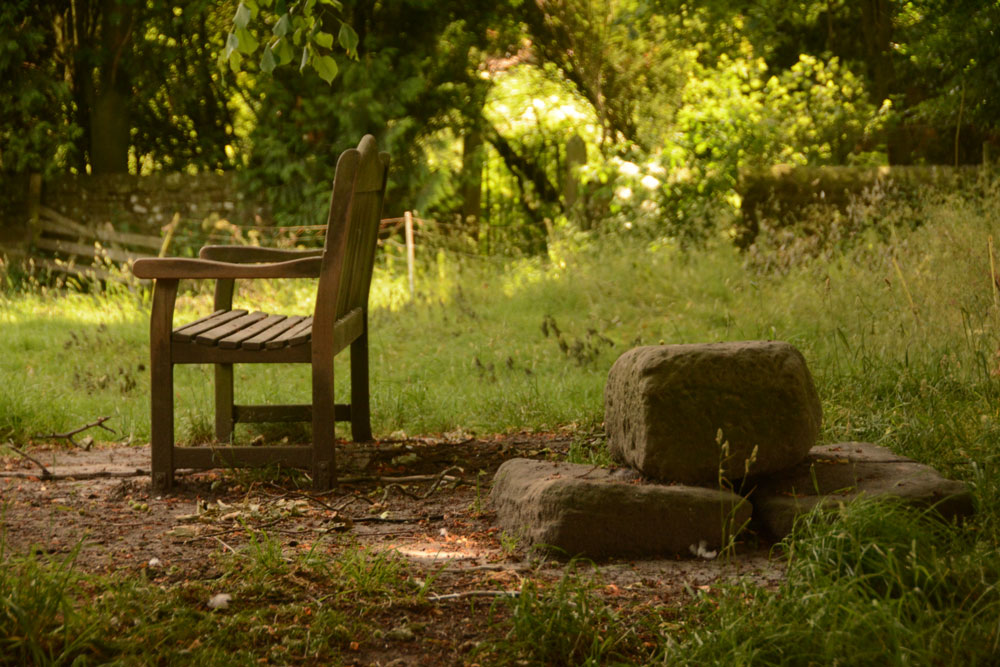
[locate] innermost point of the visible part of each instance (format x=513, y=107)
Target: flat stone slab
x=577, y=509
x=833, y=474
x=665, y=405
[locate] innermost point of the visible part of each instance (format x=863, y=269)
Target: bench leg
x=162, y=436
x=323, y=425
x=161, y=376
x=361, y=423
x=224, y=402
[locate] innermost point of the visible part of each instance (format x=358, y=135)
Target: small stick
x=389, y=487
x=906, y=290
x=222, y=543
x=235, y=529
x=440, y=478
x=45, y=471
x=412, y=519
x=993, y=276
x=69, y=435
x=398, y=480
x=306, y=496
x=100, y=474
x=473, y=594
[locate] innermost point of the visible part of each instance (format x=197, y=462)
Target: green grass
x=900, y=325
x=565, y=624
x=288, y=608
x=874, y=584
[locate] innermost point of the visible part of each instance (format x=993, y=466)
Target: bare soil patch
x=424, y=499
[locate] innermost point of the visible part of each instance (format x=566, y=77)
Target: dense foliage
x=478, y=105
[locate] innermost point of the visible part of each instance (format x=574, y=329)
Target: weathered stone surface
x=585, y=510
x=832, y=474
x=664, y=406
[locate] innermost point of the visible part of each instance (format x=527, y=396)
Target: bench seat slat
x=199, y=320
x=235, y=339
x=186, y=333
x=297, y=335
x=213, y=336
x=263, y=338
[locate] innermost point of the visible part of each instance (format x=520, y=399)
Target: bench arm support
x=181, y=268
x=240, y=254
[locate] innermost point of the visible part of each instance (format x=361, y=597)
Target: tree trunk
x=876, y=28
x=110, y=117
x=110, y=133
x=472, y=181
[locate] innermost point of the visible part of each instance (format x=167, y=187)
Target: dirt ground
x=425, y=499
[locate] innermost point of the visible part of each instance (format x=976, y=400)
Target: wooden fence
x=100, y=252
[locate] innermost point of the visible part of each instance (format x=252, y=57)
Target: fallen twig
x=398, y=487
x=234, y=529
x=69, y=434
x=473, y=594
x=407, y=479
x=411, y=519
x=222, y=543
x=306, y=496
x=100, y=474
x=45, y=471
x=441, y=477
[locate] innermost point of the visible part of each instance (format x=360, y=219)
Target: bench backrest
x=352, y=233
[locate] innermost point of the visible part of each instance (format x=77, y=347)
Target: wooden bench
x=234, y=336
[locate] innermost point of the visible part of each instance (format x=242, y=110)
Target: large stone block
x=664, y=407
x=585, y=510
x=833, y=474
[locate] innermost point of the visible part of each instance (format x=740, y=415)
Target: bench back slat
x=349, y=251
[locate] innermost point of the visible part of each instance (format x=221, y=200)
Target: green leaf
x=305, y=57
x=232, y=43
x=284, y=51
x=281, y=27
x=347, y=38
x=234, y=61
x=242, y=18
x=267, y=62
x=326, y=67
x=247, y=42
x=324, y=39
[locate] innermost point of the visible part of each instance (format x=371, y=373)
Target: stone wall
x=142, y=204
x=147, y=203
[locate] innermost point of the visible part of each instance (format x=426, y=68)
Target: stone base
x=832, y=474
x=575, y=509
x=665, y=406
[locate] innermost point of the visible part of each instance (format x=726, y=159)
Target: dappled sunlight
x=71, y=307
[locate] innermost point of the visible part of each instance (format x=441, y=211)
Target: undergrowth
x=872, y=583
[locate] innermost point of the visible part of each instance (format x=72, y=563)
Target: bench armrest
x=182, y=268
x=241, y=254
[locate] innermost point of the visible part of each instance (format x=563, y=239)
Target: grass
x=874, y=584
x=284, y=608
x=900, y=324
x=567, y=624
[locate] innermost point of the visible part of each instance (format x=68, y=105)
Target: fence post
x=576, y=157
x=408, y=218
